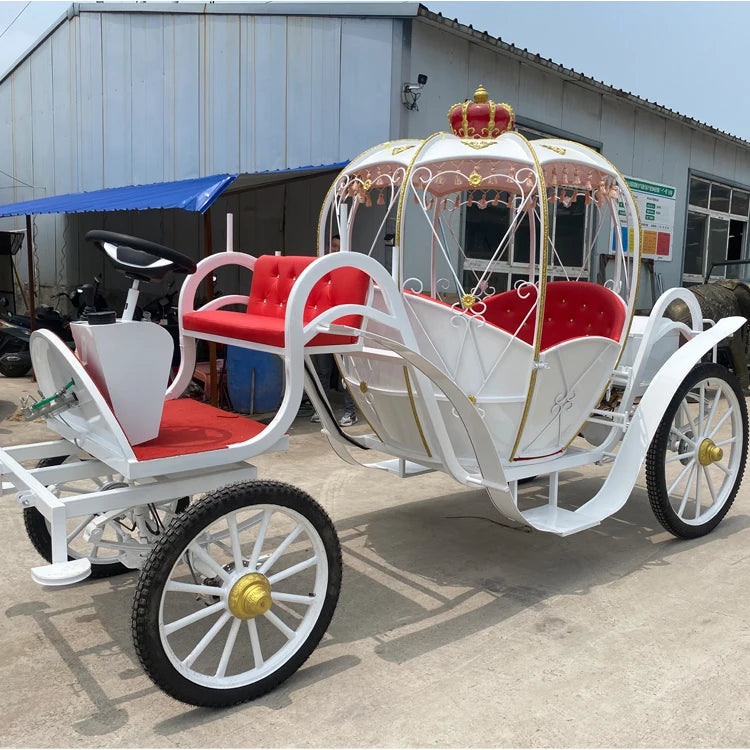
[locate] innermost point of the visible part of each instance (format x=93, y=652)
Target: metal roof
x=189, y=195
x=383, y=9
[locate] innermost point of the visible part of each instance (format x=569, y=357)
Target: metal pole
x=210, y=295
x=30, y=255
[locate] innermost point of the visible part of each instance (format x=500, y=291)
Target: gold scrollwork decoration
x=556, y=149
x=479, y=144
x=367, y=184
x=400, y=149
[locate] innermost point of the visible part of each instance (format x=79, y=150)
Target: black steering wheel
x=140, y=259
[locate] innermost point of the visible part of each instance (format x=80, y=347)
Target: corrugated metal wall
x=113, y=99
x=640, y=143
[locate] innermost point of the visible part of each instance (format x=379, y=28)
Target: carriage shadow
x=427, y=574
x=417, y=577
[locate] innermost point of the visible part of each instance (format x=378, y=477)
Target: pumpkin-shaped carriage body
x=535, y=358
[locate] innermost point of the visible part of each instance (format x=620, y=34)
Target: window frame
x=709, y=213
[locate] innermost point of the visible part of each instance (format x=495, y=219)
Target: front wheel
x=236, y=595
x=696, y=460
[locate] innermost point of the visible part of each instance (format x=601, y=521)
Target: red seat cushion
x=188, y=426
x=273, y=278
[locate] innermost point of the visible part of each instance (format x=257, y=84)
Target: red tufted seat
x=263, y=321
x=572, y=309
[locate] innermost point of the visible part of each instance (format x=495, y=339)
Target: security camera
x=412, y=91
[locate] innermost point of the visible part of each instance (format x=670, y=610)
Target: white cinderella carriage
x=239, y=578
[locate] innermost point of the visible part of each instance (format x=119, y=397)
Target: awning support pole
x=210, y=295
x=30, y=255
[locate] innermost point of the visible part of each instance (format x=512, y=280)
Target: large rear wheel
x=696, y=460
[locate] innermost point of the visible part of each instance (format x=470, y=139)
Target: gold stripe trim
x=414, y=412
x=404, y=190
x=627, y=328
x=623, y=341
x=354, y=398
x=542, y=191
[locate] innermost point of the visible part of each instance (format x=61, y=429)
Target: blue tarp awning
x=190, y=195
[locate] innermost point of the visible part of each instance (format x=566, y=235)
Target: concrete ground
x=451, y=629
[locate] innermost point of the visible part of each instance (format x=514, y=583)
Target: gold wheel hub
x=250, y=596
x=709, y=452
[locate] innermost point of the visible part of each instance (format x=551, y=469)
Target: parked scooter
x=15, y=330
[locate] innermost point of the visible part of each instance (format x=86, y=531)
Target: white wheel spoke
x=729, y=413
x=258, y=546
x=701, y=404
x=274, y=620
x=281, y=549
x=304, y=565
x=228, y=647
x=194, y=588
x=680, y=476
x=728, y=441
x=81, y=526
x=678, y=457
x=255, y=641
x=689, y=418
x=683, y=436
x=199, y=614
x=714, y=407
x=697, y=492
x=687, y=491
x=200, y=647
x=306, y=599
x=235, y=537
x=218, y=536
x=710, y=484
x=721, y=466
x=201, y=554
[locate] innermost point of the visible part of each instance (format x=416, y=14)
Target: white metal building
x=131, y=94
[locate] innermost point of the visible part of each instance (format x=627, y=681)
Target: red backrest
x=274, y=276
x=507, y=311
x=572, y=309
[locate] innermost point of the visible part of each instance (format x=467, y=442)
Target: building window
x=485, y=223
x=716, y=229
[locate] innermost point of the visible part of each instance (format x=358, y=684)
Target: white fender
x=642, y=428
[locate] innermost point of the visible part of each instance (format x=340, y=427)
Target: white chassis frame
x=170, y=478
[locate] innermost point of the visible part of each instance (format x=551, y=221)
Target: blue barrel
x=255, y=380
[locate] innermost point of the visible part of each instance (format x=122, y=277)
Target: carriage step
x=558, y=520
x=62, y=574
x=400, y=467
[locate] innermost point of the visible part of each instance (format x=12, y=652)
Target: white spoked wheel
x=237, y=594
x=696, y=460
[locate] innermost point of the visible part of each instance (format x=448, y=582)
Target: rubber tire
x=655, y=478
x=14, y=368
x=40, y=538
x=153, y=577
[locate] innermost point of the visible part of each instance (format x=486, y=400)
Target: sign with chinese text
x=656, y=207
